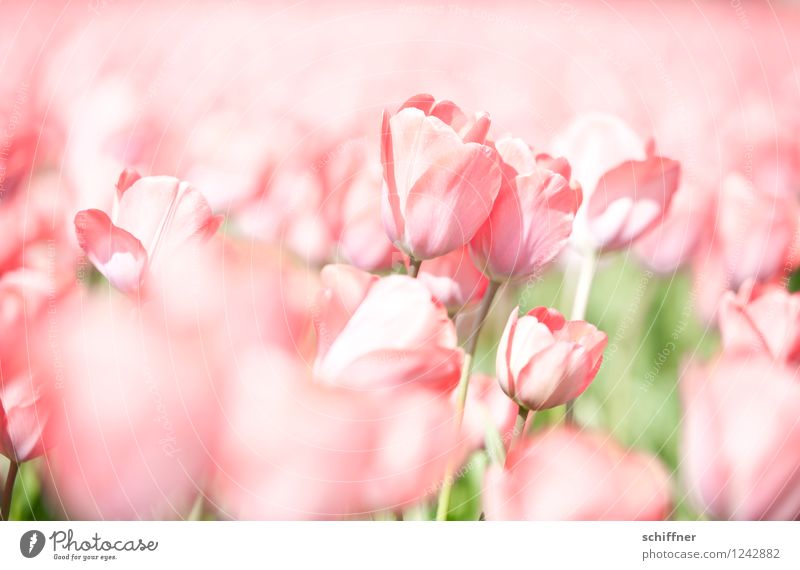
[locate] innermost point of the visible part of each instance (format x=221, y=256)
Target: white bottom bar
x=389, y=545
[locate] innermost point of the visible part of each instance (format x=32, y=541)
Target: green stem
x=519, y=429
x=461, y=392
x=583, y=288
x=8, y=491
x=414, y=265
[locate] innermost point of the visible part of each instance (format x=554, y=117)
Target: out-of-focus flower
x=487, y=408
x=627, y=187
x=532, y=216
x=453, y=279
x=134, y=415
x=24, y=406
x=544, y=361
x=741, y=438
x=155, y=216
x=439, y=185
x=681, y=234
x=376, y=333
x=754, y=237
x=754, y=231
x=345, y=454
x=566, y=474
x=761, y=319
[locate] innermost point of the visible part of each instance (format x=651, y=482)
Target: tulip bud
x=543, y=361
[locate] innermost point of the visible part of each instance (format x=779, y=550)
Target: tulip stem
x=461, y=392
x=8, y=491
x=586, y=271
x=414, y=265
x=519, y=429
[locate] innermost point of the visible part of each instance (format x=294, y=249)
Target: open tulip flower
x=544, y=361
x=155, y=215
x=439, y=185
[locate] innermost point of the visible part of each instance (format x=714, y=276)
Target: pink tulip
x=439, y=184
x=293, y=449
x=763, y=320
x=155, y=216
x=532, y=217
x=741, y=438
x=682, y=234
x=379, y=333
x=134, y=410
x=454, y=280
x=566, y=474
x=755, y=230
x=25, y=296
x=544, y=361
x=628, y=188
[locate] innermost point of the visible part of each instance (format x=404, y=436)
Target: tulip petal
x=118, y=255
x=343, y=290
x=451, y=201
x=631, y=199
x=164, y=213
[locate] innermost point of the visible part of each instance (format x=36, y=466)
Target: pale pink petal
x=118, y=255
x=451, y=201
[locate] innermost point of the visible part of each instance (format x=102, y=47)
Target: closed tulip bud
x=440, y=181
x=544, y=361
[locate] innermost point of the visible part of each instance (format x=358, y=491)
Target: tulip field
x=379, y=261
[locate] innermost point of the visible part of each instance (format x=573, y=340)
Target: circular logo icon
x=31, y=543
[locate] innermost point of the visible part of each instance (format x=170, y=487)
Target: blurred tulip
x=531, y=220
x=26, y=297
x=378, y=333
x=544, y=361
x=566, y=474
x=741, y=438
x=155, y=216
x=439, y=186
x=134, y=413
x=23, y=409
x=294, y=449
x=682, y=234
x=627, y=187
x=454, y=280
x=761, y=319
x=755, y=230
